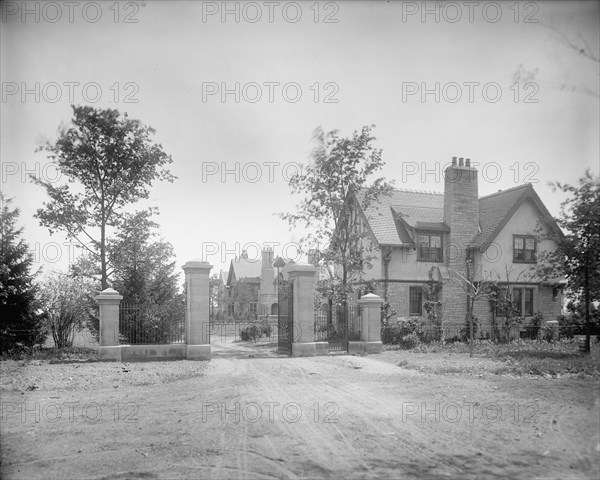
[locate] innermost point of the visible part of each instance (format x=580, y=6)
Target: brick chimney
x=267, y=274
x=267, y=258
x=461, y=200
x=461, y=215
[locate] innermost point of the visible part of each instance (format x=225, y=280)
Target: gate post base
x=197, y=352
x=308, y=349
x=322, y=348
x=110, y=353
x=374, y=347
x=357, y=347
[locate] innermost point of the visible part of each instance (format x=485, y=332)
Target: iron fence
x=151, y=324
x=338, y=323
x=233, y=330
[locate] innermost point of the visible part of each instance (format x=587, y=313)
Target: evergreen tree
x=144, y=273
x=20, y=325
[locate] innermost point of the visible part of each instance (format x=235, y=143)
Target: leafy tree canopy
x=578, y=246
x=577, y=254
x=338, y=179
x=110, y=162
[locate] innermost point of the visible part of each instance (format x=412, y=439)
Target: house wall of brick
x=404, y=265
x=398, y=298
x=549, y=305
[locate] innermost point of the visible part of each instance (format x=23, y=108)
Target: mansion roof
x=394, y=219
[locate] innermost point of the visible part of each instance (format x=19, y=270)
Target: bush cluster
x=255, y=331
x=410, y=333
x=406, y=333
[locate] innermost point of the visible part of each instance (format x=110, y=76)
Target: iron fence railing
x=343, y=322
x=151, y=324
x=233, y=330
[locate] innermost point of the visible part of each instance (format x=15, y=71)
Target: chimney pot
x=468, y=162
x=461, y=162
x=453, y=160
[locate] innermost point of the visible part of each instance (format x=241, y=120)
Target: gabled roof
x=244, y=269
x=394, y=219
x=496, y=209
x=223, y=275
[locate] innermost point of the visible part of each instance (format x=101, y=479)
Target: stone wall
x=461, y=214
x=549, y=306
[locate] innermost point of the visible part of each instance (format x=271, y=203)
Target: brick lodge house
x=420, y=237
x=250, y=289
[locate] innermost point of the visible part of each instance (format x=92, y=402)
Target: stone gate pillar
x=108, y=301
x=197, y=326
x=370, y=306
x=302, y=276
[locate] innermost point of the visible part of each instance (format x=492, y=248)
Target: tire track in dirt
x=362, y=418
x=308, y=383
x=322, y=443
x=244, y=456
x=310, y=432
x=425, y=435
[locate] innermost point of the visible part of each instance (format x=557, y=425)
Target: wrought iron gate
x=337, y=326
x=285, y=317
x=338, y=330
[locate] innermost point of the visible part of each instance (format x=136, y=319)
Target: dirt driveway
x=251, y=414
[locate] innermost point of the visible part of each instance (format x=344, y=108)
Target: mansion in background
x=419, y=237
x=249, y=287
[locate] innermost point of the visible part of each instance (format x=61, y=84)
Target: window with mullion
x=524, y=248
x=429, y=248
x=528, y=302
x=415, y=304
x=517, y=298
x=522, y=299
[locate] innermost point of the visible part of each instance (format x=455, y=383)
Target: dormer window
x=524, y=248
x=429, y=248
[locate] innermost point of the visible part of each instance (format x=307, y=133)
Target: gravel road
x=252, y=414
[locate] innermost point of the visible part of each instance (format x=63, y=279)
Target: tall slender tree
x=110, y=162
x=338, y=179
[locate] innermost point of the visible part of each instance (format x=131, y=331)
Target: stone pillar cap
x=371, y=297
x=300, y=267
x=196, y=263
x=109, y=293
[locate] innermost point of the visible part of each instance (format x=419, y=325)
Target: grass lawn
x=521, y=357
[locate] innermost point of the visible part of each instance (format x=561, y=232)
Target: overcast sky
x=244, y=89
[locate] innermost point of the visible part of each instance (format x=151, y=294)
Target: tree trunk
x=470, y=327
x=587, y=309
x=104, y=277
x=470, y=309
